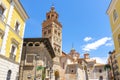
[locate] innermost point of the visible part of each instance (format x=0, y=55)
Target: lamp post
x=36, y=58
x=110, y=53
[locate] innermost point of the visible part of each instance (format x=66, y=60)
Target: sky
x=85, y=25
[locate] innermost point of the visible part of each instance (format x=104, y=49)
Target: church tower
x=52, y=29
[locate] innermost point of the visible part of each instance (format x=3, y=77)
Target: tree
x=107, y=67
x=43, y=71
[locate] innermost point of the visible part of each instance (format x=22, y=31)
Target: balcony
x=12, y=56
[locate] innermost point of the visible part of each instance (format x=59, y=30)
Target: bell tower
x=52, y=29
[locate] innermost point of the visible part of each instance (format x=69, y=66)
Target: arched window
x=48, y=17
x=115, y=15
x=8, y=75
x=101, y=78
x=119, y=39
x=30, y=44
x=37, y=44
x=100, y=71
x=52, y=15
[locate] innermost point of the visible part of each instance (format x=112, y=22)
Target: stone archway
x=57, y=75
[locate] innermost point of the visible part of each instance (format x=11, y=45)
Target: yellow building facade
x=12, y=25
x=114, y=15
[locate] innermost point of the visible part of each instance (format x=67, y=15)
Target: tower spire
x=72, y=46
x=52, y=4
x=52, y=7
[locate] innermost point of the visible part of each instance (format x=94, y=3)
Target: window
x=58, y=34
x=48, y=17
x=101, y=78
x=37, y=44
x=100, y=71
x=12, y=53
x=8, y=75
x=119, y=39
x=1, y=10
x=29, y=58
x=49, y=31
x=1, y=34
x=58, y=50
x=55, y=31
x=63, y=65
x=52, y=15
x=45, y=33
x=50, y=38
x=56, y=17
x=30, y=44
x=72, y=71
x=88, y=70
x=115, y=15
x=17, y=27
x=24, y=44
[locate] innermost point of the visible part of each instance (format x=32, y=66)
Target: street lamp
x=36, y=58
x=110, y=53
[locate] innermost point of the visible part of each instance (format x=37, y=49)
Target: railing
x=12, y=56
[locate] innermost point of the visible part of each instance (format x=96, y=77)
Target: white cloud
x=96, y=44
x=109, y=43
x=102, y=60
x=86, y=39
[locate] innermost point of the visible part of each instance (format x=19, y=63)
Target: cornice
x=21, y=10
x=111, y=6
x=8, y=59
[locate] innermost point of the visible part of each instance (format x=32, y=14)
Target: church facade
x=52, y=29
x=57, y=64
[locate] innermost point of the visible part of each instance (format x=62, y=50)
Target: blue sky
x=85, y=24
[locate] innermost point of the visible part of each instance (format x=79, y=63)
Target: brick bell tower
x=52, y=29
